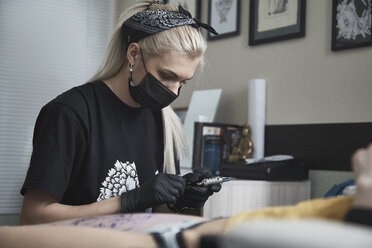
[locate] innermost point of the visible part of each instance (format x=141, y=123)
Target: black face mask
x=150, y=92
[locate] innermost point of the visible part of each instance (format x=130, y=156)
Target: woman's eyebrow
x=170, y=73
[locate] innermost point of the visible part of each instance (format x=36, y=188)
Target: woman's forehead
x=173, y=55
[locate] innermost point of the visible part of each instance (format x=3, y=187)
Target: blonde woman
x=110, y=145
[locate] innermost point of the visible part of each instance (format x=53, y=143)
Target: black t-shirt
x=88, y=146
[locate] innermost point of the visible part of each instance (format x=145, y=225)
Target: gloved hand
x=162, y=188
x=195, y=196
x=207, y=173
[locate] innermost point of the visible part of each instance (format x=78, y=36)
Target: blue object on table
x=211, y=154
x=337, y=189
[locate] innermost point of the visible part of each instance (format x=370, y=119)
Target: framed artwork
x=351, y=24
x=224, y=17
x=275, y=20
x=193, y=6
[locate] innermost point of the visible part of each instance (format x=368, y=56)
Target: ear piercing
x=131, y=73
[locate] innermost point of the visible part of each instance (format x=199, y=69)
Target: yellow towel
x=333, y=208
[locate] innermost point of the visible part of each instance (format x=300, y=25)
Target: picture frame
x=224, y=17
x=344, y=14
x=276, y=20
x=212, y=144
x=193, y=6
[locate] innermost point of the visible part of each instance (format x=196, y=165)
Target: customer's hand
x=162, y=188
x=362, y=163
x=362, y=167
x=195, y=196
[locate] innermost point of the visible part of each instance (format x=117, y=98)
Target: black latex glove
x=162, y=188
x=195, y=196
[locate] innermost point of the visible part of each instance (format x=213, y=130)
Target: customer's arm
x=43, y=236
x=41, y=207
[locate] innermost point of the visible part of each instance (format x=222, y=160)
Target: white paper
x=256, y=115
x=273, y=15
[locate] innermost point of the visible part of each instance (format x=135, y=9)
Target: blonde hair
x=184, y=39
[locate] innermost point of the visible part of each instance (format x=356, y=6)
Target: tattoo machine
x=214, y=181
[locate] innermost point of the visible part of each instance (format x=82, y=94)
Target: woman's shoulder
x=78, y=95
x=76, y=99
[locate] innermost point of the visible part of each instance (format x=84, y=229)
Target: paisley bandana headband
x=149, y=22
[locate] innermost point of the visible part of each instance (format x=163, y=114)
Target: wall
x=9, y=219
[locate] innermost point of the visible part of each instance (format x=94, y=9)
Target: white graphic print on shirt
x=121, y=178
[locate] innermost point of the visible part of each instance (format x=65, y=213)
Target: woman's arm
x=41, y=207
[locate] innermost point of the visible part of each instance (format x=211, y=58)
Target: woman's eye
x=170, y=79
x=167, y=79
